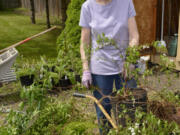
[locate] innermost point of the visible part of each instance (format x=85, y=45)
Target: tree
x=47, y=14
x=32, y=12
x=0, y=5
x=70, y=36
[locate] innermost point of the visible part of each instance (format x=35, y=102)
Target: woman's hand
x=87, y=79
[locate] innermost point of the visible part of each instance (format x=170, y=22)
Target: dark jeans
x=105, y=85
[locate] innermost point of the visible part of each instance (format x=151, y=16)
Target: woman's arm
x=133, y=32
x=85, y=44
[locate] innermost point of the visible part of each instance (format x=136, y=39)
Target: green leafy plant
x=25, y=71
x=69, y=41
x=35, y=97
x=147, y=124
x=78, y=128
x=51, y=119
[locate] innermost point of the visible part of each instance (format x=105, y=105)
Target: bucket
x=138, y=99
x=172, y=48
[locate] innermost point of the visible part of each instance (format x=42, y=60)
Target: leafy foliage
x=147, y=124
x=72, y=30
x=77, y=128
x=51, y=119
x=69, y=39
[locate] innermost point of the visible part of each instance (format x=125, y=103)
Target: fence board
x=54, y=6
x=146, y=19
x=10, y=4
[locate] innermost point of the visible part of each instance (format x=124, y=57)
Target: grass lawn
x=15, y=26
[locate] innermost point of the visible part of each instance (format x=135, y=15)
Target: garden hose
x=99, y=105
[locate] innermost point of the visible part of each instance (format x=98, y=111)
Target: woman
x=113, y=20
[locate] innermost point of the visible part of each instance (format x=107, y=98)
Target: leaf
x=53, y=75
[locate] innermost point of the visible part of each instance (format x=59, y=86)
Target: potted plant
x=26, y=76
x=51, y=75
x=129, y=97
x=69, y=64
x=60, y=77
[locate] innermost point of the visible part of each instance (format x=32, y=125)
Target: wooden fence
x=55, y=6
x=4, y=4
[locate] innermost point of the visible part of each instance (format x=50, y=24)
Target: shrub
x=78, y=128
x=54, y=116
x=69, y=40
x=72, y=30
x=147, y=124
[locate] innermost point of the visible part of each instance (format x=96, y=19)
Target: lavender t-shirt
x=110, y=20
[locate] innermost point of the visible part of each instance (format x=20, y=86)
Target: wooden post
x=32, y=12
x=47, y=14
x=178, y=48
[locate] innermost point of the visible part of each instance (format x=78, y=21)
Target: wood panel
x=178, y=49
x=146, y=19
x=5, y=4
x=54, y=6
x=172, y=8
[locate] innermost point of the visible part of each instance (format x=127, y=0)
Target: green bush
x=72, y=30
x=147, y=124
x=78, y=128
x=69, y=40
x=51, y=119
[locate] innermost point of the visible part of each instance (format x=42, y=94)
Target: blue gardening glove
x=86, y=79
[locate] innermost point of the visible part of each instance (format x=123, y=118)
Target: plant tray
x=6, y=61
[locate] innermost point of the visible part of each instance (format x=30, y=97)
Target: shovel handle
x=27, y=39
x=79, y=95
x=99, y=105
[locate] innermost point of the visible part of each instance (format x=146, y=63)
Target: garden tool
x=6, y=61
x=27, y=39
x=162, y=42
x=9, y=54
x=99, y=105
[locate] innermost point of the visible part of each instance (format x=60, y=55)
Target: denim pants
x=105, y=85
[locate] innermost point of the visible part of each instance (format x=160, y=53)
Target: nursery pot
x=138, y=99
x=64, y=83
x=78, y=78
x=27, y=80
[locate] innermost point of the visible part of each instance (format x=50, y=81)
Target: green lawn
x=15, y=26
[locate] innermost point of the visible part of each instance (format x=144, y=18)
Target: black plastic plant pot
x=64, y=83
x=78, y=78
x=27, y=80
x=138, y=100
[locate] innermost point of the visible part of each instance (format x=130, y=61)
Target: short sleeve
x=84, y=17
x=131, y=10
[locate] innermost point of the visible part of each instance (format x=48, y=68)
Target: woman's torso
x=112, y=21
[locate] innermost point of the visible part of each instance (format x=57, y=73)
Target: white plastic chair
x=6, y=61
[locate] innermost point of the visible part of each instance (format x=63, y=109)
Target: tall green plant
x=72, y=30
x=69, y=39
